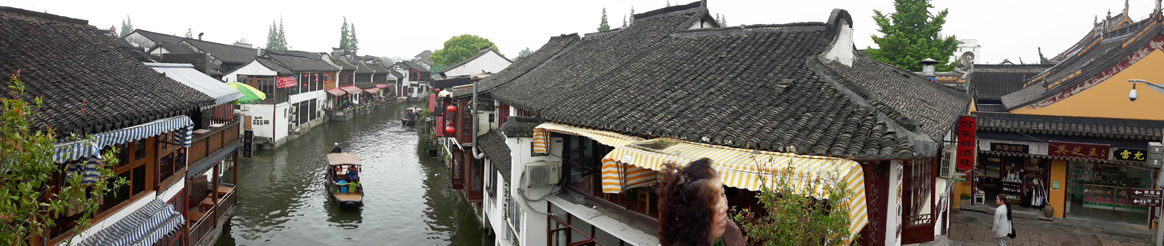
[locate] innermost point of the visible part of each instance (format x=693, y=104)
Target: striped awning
x=738, y=168
x=147, y=225
x=87, y=169
x=69, y=149
x=336, y=92
x=373, y=90
x=541, y=138
x=351, y=89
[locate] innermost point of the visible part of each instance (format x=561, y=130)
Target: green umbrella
x=250, y=94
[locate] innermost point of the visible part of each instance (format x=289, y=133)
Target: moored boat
x=342, y=179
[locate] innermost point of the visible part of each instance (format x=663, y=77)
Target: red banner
x=440, y=126
x=431, y=102
x=1097, y=151
x=285, y=82
x=967, y=136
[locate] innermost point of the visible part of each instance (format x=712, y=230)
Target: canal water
x=408, y=200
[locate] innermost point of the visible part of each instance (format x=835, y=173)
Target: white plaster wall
x=172, y=190
x=533, y=225
x=842, y=47
x=894, y=223
x=494, y=205
x=137, y=40
x=260, y=112
x=282, y=110
x=253, y=68
x=490, y=62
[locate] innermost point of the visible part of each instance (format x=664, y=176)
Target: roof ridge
x=30, y=15
x=672, y=10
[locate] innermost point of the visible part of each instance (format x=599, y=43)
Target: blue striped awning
x=68, y=149
x=145, y=226
x=87, y=169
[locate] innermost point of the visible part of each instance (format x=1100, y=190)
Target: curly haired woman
x=693, y=207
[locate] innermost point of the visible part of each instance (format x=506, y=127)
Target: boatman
x=337, y=149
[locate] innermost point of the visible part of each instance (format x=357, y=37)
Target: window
x=313, y=107
x=919, y=177
x=139, y=151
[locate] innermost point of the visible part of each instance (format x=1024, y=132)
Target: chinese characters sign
x=967, y=125
x=1130, y=154
x=440, y=126
x=285, y=82
x=1098, y=151
x=432, y=102
x=1016, y=148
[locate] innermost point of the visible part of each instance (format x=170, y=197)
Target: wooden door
x=247, y=122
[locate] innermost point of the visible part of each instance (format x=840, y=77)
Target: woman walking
x=1002, y=225
x=693, y=208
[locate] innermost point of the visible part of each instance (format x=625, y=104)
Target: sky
x=1005, y=29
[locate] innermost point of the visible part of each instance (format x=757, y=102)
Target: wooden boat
x=411, y=115
x=342, y=179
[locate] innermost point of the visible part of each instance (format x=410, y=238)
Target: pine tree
x=282, y=39
x=272, y=37
x=624, y=21
x=190, y=33
x=126, y=26
x=912, y=34
x=632, y=16
x=344, y=35
x=353, y=43
x=603, y=26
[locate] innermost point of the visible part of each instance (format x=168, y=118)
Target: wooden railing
x=213, y=218
x=208, y=141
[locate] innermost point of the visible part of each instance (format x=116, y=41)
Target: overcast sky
x=1005, y=29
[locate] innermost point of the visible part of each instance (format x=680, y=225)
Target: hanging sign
x=1129, y=154
x=1015, y=148
x=1067, y=149
x=440, y=125
x=967, y=136
x=248, y=139
x=285, y=82
x=431, y=102
x=1146, y=193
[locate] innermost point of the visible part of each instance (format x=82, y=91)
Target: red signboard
x=285, y=82
x=1097, y=151
x=431, y=102
x=440, y=126
x=967, y=136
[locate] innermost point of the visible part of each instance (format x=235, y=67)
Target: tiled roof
x=414, y=65
x=224, y=52
x=519, y=127
x=362, y=67
x=344, y=64
x=158, y=37
x=274, y=66
x=493, y=145
x=300, y=63
x=425, y=57
x=397, y=74
x=761, y=87
x=528, y=63
x=86, y=83
x=1089, y=62
x=991, y=82
x=1071, y=126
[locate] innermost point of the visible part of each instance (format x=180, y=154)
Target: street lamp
x=1133, y=95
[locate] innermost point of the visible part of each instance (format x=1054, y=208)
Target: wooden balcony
x=208, y=141
x=206, y=218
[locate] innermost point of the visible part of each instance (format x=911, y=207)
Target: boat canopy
x=336, y=159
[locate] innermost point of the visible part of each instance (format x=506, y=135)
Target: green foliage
x=523, y=53
x=387, y=60
x=353, y=42
x=461, y=47
x=632, y=16
x=624, y=21
x=344, y=39
x=29, y=206
x=276, y=39
x=721, y=20
x=912, y=34
x=794, y=219
x=603, y=26
x=126, y=26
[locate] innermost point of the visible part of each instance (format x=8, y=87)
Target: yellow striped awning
x=740, y=168
x=541, y=139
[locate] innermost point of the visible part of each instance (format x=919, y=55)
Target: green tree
x=344, y=39
x=353, y=42
x=190, y=33
x=624, y=21
x=461, y=47
x=276, y=40
x=28, y=205
x=721, y=20
x=792, y=218
x=603, y=26
x=912, y=34
x=126, y=26
x=523, y=53
x=632, y=16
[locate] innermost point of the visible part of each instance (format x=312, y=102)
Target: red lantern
x=451, y=109
x=450, y=130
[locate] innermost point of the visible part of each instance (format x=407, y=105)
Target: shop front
x=1072, y=179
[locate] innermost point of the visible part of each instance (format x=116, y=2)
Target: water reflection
x=407, y=202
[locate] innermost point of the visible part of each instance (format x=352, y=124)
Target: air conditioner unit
x=542, y=172
x=947, y=165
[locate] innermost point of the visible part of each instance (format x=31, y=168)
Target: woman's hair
x=685, y=203
x=1004, y=203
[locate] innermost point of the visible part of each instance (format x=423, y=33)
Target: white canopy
x=186, y=74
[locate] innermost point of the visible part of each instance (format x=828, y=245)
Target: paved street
x=973, y=229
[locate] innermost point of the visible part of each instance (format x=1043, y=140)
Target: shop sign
x=285, y=82
x=431, y=102
x=1098, y=151
x=967, y=136
x=1015, y=148
x=1147, y=193
x=248, y=139
x=1147, y=202
x=1130, y=154
x=440, y=126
